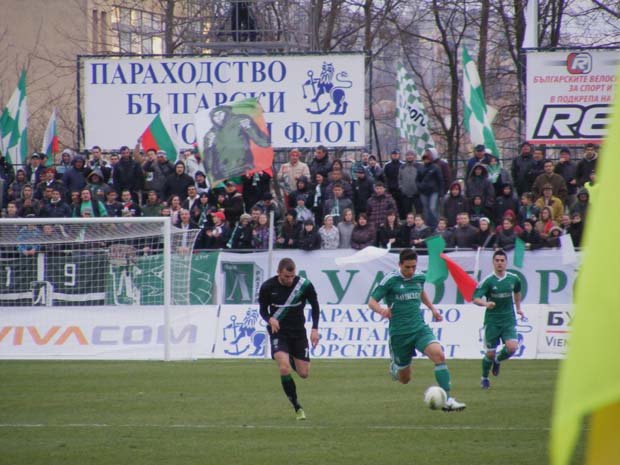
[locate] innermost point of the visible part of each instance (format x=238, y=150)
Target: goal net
x=92, y=262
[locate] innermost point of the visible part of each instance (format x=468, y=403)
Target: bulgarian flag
x=160, y=136
x=440, y=265
x=50, y=139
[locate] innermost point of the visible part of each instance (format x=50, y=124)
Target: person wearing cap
x=558, y=185
x=290, y=172
x=363, y=188
x=390, y=171
x=480, y=156
x=407, y=175
x=586, y=165
x=520, y=167
x=430, y=188
x=549, y=200
x=233, y=203
x=34, y=169
x=74, y=178
x=128, y=174
x=156, y=169
x=216, y=236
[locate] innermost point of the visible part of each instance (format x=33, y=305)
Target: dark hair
x=322, y=148
x=500, y=252
x=407, y=254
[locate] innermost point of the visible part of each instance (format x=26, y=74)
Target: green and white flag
x=14, y=125
x=411, y=119
x=475, y=111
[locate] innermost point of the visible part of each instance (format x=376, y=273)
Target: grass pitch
x=234, y=412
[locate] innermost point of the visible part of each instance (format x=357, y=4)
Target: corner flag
x=475, y=112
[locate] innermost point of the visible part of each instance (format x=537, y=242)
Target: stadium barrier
x=237, y=331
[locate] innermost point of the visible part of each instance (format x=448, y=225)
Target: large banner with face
x=308, y=100
x=569, y=95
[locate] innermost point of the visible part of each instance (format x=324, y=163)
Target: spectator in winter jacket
x=557, y=183
x=363, y=234
x=420, y=232
x=478, y=183
x=581, y=204
x=586, y=165
x=290, y=172
x=477, y=210
x=445, y=232
x=454, y=202
x=255, y=186
x=156, y=169
x=566, y=168
x=390, y=171
x=375, y=172
x=486, y=236
x=465, y=235
x=345, y=229
x=549, y=200
x=480, y=157
x=576, y=229
x=320, y=163
x=505, y=200
x=520, y=169
x=301, y=188
x=289, y=231
x=389, y=232
x=362, y=190
x=233, y=203
x=506, y=237
x=430, y=188
x=34, y=169
x=537, y=167
x=378, y=205
x=303, y=212
x=56, y=207
x=404, y=238
x=337, y=203
x=241, y=237
x=74, y=178
x=530, y=236
x=128, y=174
x=497, y=175
x=178, y=182
x=309, y=238
x=527, y=209
x=330, y=237
x=407, y=176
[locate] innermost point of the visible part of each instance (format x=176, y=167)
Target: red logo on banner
x=579, y=63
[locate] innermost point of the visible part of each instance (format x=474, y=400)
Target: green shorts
x=493, y=333
x=403, y=346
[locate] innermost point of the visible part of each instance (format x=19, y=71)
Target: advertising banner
x=569, y=95
x=239, y=276
x=308, y=100
x=554, y=330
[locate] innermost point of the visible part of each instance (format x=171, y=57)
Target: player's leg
x=300, y=355
x=509, y=336
x=491, y=340
x=401, y=350
x=280, y=353
x=434, y=352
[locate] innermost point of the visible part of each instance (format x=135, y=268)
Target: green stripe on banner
x=519, y=252
x=162, y=138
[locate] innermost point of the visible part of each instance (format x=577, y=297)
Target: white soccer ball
x=435, y=398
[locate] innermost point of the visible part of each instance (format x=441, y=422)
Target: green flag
x=411, y=118
x=475, y=111
x=519, y=253
x=14, y=125
x=437, y=269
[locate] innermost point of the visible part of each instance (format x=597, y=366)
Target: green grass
x=234, y=412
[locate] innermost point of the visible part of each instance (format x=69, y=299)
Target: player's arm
x=480, y=292
x=517, y=299
x=263, y=303
x=426, y=301
x=385, y=312
x=315, y=313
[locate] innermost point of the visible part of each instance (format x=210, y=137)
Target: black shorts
x=297, y=346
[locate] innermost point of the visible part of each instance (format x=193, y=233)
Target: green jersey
x=500, y=291
x=403, y=296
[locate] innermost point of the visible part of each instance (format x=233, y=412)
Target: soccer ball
x=435, y=398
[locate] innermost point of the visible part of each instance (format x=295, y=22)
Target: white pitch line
x=307, y=425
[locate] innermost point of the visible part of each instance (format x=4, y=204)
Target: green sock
x=442, y=375
x=288, y=384
x=503, y=354
x=487, y=363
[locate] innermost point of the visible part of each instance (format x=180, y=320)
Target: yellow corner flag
x=589, y=378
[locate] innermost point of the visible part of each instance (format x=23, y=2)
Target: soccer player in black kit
x=282, y=300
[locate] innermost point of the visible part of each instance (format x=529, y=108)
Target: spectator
x=204, y=210
x=568, y=170
x=362, y=190
x=201, y=183
x=128, y=174
x=97, y=187
x=27, y=200
x=480, y=157
x=11, y=210
x=443, y=231
x=389, y=231
x=335, y=205
x=192, y=199
x=378, y=205
x=7, y=175
x=98, y=162
x=301, y=188
x=156, y=169
x=375, y=172
x=527, y=210
x=390, y=171
x=320, y=163
x=241, y=237
x=86, y=202
x=34, y=169
x=576, y=229
x=345, y=229
x=520, y=169
x=268, y=205
x=551, y=201
x=506, y=237
x=420, y=232
x=454, y=203
x=498, y=176
x=153, y=206
x=586, y=165
x=291, y=172
x=56, y=207
x=336, y=177
x=513, y=218
x=303, y=212
x=261, y=233
x=309, y=238
x=330, y=238
x=430, y=188
x=465, y=235
x=129, y=208
x=592, y=187
x=530, y=236
x=407, y=175
x=478, y=183
x=178, y=182
x=404, y=238
x=537, y=167
x=363, y=233
x=29, y=239
x=544, y=225
x=565, y=223
x=443, y=166
x=14, y=190
x=255, y=186
x=193, y=162
x=66, y=157
x=553, y=239
x=112, y=206
x=477, y=210
x=216, y=236
x=548, y=177
x=289, y=231
x=48, y=180
x=486, y=236
x=318, y=196
x=114, y=159
x=74, y=178
x=233, y=203
x=505, y=200
x=337, y=165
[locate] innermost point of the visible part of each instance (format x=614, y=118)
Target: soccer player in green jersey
x=502, y=293
x=403, y=291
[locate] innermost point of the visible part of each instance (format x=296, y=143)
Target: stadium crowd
x=321, y=204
